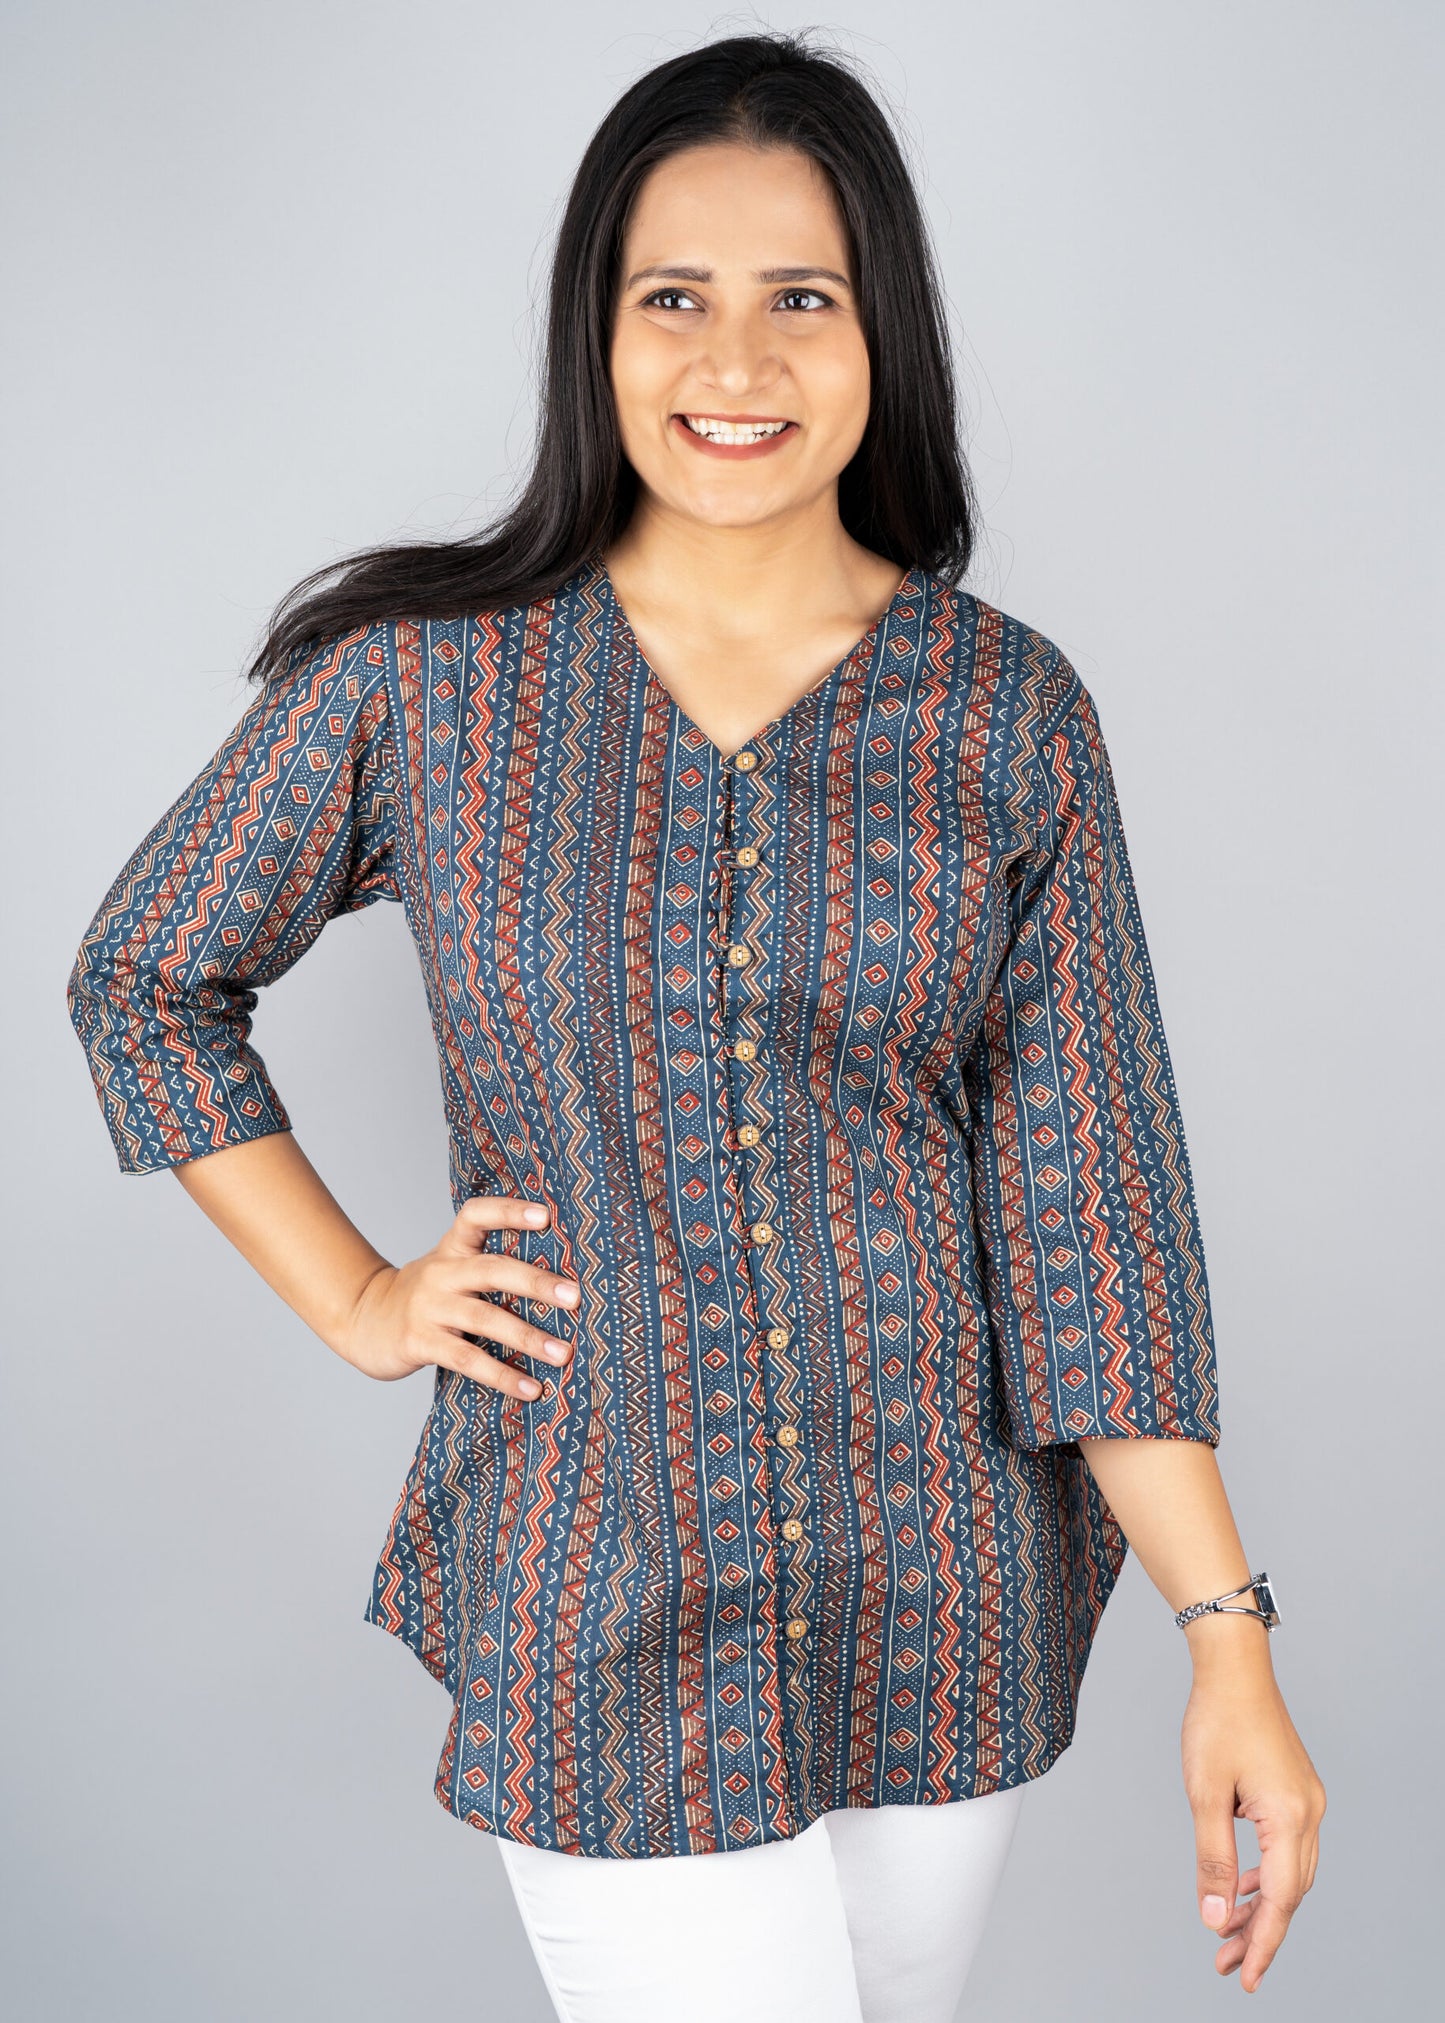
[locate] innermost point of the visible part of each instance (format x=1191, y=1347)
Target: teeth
x=732, y=431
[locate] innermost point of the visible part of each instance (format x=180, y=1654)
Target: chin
x=733, y=512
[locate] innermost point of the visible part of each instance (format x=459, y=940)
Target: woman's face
x=737, y=302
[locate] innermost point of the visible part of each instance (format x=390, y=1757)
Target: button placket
x=745, y=1003
x=686, y=1021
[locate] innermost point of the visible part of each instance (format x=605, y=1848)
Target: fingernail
x=566, y=1290
x=530, y=1388
x=536, y=1213
x=1213, y=1910
x=555, y=1351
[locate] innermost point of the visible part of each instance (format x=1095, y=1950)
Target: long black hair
x=906, y=493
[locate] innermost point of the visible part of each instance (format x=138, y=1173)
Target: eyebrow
x=769, y=276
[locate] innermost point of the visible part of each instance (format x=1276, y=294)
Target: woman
x=824, y=1304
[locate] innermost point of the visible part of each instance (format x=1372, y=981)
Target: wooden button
x=788, y=1436
x=745, y=761
x=792, y=1529
x=778, y=1338
x=744, y=1050
x=763, y=1232
x=748, y=1134
x=748, y=856
x=738, y=954
x=797, y=1627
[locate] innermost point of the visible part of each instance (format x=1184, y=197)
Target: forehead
x=728, y=206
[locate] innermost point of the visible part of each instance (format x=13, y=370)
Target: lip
x=736, y=452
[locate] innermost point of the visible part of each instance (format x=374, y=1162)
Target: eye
x=658, y=294
x=816, y=294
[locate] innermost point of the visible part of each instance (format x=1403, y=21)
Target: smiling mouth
x=714, y=429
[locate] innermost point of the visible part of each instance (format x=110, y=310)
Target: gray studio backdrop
x=272, y=278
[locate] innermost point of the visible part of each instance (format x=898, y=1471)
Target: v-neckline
x=860, y=652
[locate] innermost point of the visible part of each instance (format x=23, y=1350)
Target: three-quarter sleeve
x=289, y=823
x=1082, y=1191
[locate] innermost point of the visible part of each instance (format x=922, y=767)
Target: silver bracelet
x=1258, y=1586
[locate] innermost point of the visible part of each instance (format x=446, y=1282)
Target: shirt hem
x=1027, y=1773
x=433, y=1659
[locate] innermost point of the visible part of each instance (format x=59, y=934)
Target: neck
x=742, y=584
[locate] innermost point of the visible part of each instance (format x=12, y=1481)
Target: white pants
x=870, y=1915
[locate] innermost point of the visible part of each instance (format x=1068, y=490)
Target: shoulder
x=336, y=666
x=385, y=664
x=1015, y=670
x=329, y=693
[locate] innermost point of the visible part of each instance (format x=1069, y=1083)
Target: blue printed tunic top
x=839, y=1062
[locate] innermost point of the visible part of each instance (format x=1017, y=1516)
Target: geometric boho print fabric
x=839, y=1061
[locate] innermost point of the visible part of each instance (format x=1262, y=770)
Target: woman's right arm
x=267, y=1199
x=292, y=821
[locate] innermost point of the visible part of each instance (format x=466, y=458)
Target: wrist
x=1250, y=1601
x=1229, y=1647
x=344, y=1321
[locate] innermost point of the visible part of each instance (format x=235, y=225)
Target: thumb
x=1216, y=1857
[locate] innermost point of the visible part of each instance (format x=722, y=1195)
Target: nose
x=740, y=357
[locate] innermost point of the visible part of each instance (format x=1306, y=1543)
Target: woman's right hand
x=409, y=1315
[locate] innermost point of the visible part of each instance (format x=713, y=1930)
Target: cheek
x=838, y=390
x=642, y=359
x=623, y=368
x=640, y=373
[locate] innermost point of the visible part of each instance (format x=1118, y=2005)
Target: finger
x=452, y=1353
x=1235, y=1937
x=1248, y=1883
x=1216, y=1858
x=479, y=1215
x=1266, y=1933
x=1238, y=1919
x=1280, y=1889
x=490, y=1272
x=481, y=1317
x=1231, y=1954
